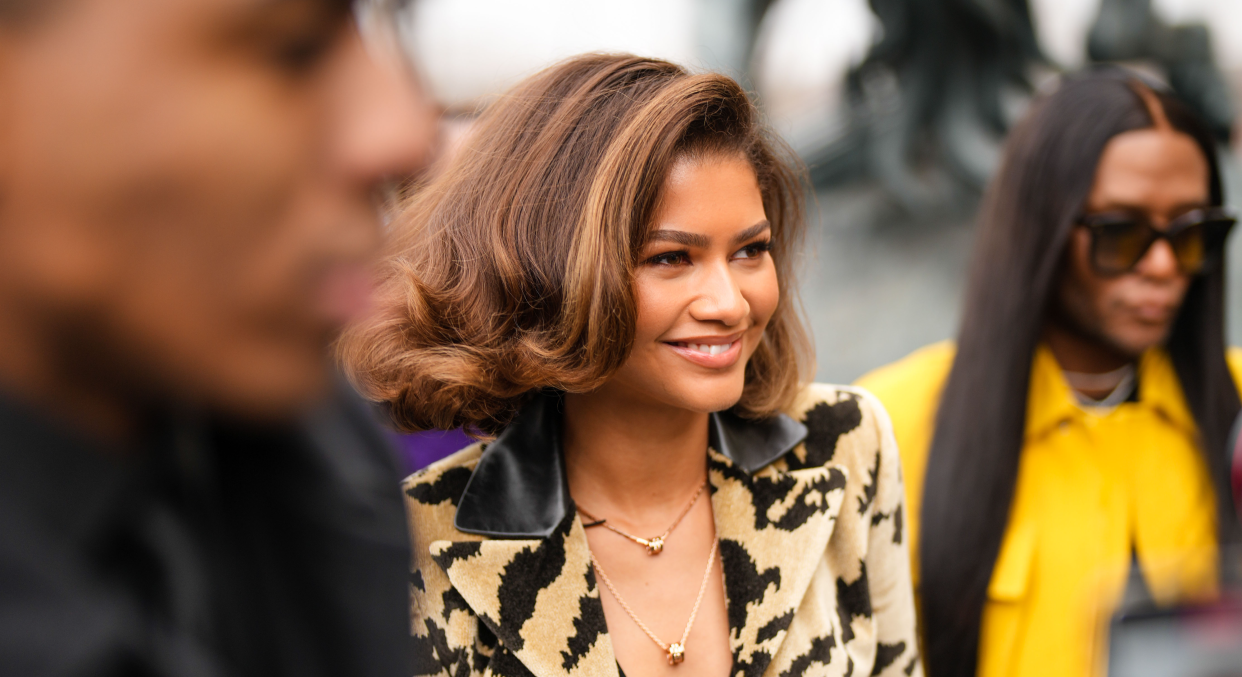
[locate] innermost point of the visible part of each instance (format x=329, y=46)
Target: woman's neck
x=1080, y=355
x=632, y=461
x=1078, y=352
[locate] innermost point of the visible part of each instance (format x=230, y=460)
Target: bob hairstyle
x=1028, y=213
x=511, y=271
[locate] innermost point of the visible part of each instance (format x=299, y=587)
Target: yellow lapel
x=773, y=527
x=1161, y=389
x=538, y=596
x=1049, y=400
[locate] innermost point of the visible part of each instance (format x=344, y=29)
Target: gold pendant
x=654, y=545
x=676, y=653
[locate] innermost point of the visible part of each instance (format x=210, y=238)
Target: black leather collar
x=519, y=488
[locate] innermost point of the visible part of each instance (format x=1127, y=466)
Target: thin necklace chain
x=676, y=651
x=655, y=544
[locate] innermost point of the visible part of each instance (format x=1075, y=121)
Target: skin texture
x=1101, y=322
x=705, y=274
x=187, y=201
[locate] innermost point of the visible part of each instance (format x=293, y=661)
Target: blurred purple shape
x=422, y=449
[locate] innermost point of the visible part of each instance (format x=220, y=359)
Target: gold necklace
x=655, y=544
x=677, y=650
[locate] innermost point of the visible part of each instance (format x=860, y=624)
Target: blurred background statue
x=931, y=103
x=929, y=106
x=1130, y=30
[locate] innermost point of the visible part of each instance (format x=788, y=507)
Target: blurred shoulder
x=845, y=425
x=843, y=403
x=1233, y=356
x=432, y=494
x=448, y=472
x=911, y=386
x=910, y=389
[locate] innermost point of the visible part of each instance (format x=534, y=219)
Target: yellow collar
x=1051, y=402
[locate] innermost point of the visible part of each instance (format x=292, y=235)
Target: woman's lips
x=1154, y=313
x=713, y=355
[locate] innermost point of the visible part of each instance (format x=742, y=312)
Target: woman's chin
x=678, y=386
x=706, y=400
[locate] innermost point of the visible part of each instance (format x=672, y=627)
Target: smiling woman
x=603, y=280
x=512, y=272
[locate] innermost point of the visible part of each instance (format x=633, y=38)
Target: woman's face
x=1158, y=172
x=705, y=288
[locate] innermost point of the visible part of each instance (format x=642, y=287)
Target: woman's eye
x=753, y=250
x=669, y=259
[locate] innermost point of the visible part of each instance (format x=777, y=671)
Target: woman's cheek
x=763, y=294
x=657, y=309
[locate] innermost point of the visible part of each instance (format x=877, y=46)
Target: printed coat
x=809, y=514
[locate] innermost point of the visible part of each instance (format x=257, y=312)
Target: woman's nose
x=720, y=298
x=386, y=123
x=1160, y=261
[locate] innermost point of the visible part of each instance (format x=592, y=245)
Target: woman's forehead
x=1154, y=169
x=709, y=195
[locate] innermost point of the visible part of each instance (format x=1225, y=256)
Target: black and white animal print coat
x=808, y=510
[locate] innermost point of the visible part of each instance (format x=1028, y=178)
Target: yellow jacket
x=1092, y=489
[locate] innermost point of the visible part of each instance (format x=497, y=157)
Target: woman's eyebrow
x=751, y=232
x=701, y=241
x=1187, y=206
x=682, y=237
x=1138, y=208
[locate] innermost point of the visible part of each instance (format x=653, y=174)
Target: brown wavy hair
x=511, y=271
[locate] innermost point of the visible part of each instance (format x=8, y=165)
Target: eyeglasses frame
x=1194, y=217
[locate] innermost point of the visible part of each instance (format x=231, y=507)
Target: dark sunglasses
x=1119, y=240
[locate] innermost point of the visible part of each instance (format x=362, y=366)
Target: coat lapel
x=538, y=596
x=773, y=527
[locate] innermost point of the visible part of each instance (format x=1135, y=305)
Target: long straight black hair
x=1025, y=221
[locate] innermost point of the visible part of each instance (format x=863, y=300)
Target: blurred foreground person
x=603, y=277
x=1076, y=428
x=185, y=218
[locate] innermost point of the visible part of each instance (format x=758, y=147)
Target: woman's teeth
x=709, y=349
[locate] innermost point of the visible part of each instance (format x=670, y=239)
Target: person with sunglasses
x=1074, y=430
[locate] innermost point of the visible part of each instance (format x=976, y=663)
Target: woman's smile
x=713, y=352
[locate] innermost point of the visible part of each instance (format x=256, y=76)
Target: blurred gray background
x=898, y=106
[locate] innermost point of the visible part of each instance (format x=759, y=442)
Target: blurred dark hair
x=1043, y=183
